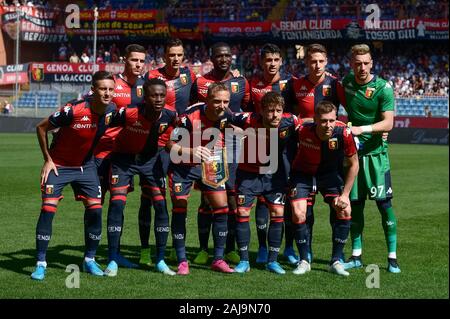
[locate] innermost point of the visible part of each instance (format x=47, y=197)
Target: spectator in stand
x=427, y=111
x=62, y=53
x=84, y=58
x=74, y=58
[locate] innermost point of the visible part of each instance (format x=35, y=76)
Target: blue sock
x=231, y=237
x=115, y=223
x=341, y=229
x=204, y=221
x=289, y=227
x=301, y=239
x=145, y=220
x=92, y=229
x=44, y=230
x=310, y=224
x=262, y=219
x=275, y=237
x=219, y=231
x=161, y=227
x=243, y=236
x=179, y=232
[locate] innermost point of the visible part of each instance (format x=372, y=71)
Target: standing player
x=136, y=151
x=255, y=178
x=239, y=99
x=307, y=92
x=370, y=108
x=317, y=167
x=270, y=81
x=178, y=79
x=128, y=91
x=197, y=119
x=69, y=160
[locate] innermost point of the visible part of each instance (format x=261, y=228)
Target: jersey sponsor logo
x=85, y=118
x=283, y=85
x=234, y=87
x=162, y=127
x=49, y=189
x=178, y=187
x=369, y=92
x=83, y=126
x=303, y=94
x=139, y=90
x=121, y=94
x=333, y=143
x=241, y=199
x=114, y=179
x=309, y=145
x=183, y=79
x=263, y=90
x=326, y=90
x=283, y=133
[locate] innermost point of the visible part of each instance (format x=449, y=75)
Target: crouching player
x=322, y=147
x=136, y=151
x=255, y=178
x=70, y=160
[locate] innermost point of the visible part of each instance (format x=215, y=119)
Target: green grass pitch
x=420, y=179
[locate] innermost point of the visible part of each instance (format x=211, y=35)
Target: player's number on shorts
x=377, y=189
x=99, y=192
x=280, y=200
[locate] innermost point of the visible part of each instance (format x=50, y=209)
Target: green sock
x=357, y=225
x=389, y=223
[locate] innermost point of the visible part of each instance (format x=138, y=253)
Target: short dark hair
x=216, y=86
x=101, y=75
x=134, y=48
x=315, y=48
x=269, y=48
x=219, y=45
x=325, y=107
x=271, y=98
x=172, y=42
x=151, y=82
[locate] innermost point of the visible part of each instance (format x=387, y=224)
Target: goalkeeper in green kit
x=370, y=108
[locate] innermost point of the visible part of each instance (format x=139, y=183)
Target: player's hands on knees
x=202, y=153
x=46, y=169
x=340, y=203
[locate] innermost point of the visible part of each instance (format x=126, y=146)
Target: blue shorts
x=302, y=186
x=158, y=165
x=250, y=185
x=84, y=181
x=123, y=169
x=181, y=178
x=103, y=171
x=230, y=184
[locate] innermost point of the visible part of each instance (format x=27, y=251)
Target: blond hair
x=360, y=49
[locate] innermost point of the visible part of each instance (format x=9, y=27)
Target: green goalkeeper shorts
x=374, y=178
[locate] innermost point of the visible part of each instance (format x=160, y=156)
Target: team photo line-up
x=214, y=132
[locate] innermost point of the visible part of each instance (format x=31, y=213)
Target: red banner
x=9, y=74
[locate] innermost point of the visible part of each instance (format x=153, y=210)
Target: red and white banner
x=9, y=74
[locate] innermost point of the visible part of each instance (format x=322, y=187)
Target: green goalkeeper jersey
x=364, y=105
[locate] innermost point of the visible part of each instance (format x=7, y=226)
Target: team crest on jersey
x=369, y=92
x=108, y=118
x=333, y=143
x=49, y=189
x=283, y=133
x=178, y=187
x=241, y=199
x=234, y=87
x=283, y=85
x=293, y=192
x=223, y=123
x=114, y=179
x=162, y=127
x=139, y=90
x=326, y=90
x=183, y=79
